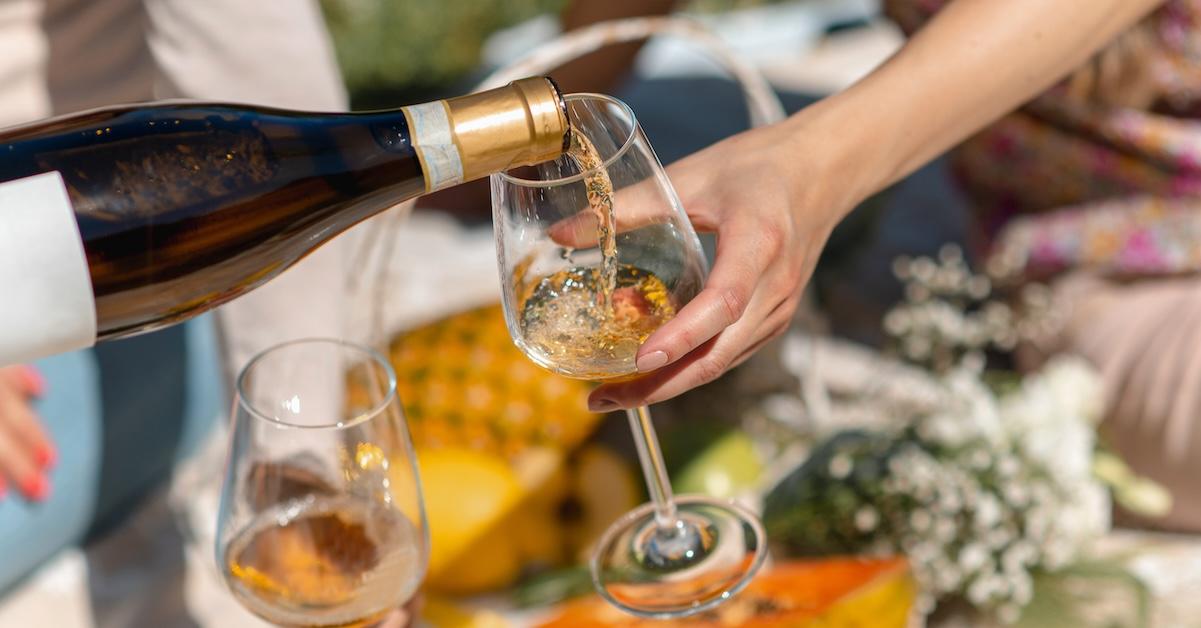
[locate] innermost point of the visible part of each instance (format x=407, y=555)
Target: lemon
x=605, y=488
x=725, y=468
x=490, y=562
x=535, y=527
x=468, y=496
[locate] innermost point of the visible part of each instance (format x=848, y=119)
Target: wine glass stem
x=653, y=467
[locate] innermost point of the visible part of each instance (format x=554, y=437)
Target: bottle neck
x=473, y=136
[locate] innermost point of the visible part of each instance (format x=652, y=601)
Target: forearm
x=974, y=62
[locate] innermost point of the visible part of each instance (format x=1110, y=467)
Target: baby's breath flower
x=1015, y=493
x=840, y=466
x=972, y=557
x=979, y=591
x=920, y=520
x=945, y=529
x=988, y=511
x=866, y=519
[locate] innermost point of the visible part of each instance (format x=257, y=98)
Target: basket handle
x=764, y=105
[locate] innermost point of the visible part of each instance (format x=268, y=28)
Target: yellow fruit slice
x=467, y=494
x=606, y=488
x=535, y=527
x=492, y=561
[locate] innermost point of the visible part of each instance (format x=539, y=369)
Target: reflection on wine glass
x=583, y=287
x=321, y=521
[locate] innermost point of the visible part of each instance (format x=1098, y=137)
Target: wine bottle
x=127, y=219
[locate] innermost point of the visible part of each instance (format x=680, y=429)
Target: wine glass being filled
x=595, y=254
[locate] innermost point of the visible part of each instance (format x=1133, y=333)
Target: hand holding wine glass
x=772, y=209
x=583, y=287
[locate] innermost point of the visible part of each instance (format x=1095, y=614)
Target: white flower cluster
x=991, y=489
x=947, y=315
x=980, y=487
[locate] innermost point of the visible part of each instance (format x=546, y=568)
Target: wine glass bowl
x=595, y=254
x=321, y=520
x=547, y=243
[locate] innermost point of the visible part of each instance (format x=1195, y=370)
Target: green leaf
x=1088, y=594
x=553, y=587
x=811, y=512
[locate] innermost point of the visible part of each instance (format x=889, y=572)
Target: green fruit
x=723, y=469
x=811, y=511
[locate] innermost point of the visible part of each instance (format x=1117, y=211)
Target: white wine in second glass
x=321, y=520
x=595, y=254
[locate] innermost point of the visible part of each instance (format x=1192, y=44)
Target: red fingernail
x=36, y=487
x=45, y=456
x=3, y=487
x=35, y=383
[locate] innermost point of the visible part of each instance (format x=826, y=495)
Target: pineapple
x=462, y=383
x=478, y=408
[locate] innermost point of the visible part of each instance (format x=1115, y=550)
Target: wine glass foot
x=700, y=560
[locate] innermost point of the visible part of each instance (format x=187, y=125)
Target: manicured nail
x=3, y=487
x=36, y=487
x=602, y=405
x=45, y=456
x=35, y=383
x=652, y=361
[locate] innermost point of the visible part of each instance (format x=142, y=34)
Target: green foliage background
x=411, y=46
x=397, y=51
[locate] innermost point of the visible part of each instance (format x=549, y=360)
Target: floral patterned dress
x=1076, y=180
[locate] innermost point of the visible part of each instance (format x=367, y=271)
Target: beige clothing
x=1145, y=337
x=59, y=56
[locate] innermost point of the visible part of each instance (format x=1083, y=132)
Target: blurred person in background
x=86, y=437
x=1095, y=185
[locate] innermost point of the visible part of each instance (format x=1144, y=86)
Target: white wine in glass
x=595, y=254
x=321, y=519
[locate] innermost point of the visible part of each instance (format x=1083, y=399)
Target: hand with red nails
x=26, y=452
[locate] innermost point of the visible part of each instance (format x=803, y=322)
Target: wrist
x=845, y=151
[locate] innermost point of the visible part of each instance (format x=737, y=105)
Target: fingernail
x=45, y=456
x=36, y=487
x=3, y=487
x=652, y=361
x=35, y=383
x=602, y=405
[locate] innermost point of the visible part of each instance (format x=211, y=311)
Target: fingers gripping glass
x=321, y=520
x=671, y=557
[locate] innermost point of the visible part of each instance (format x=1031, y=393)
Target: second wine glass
x=595, y=254
x=322, y=521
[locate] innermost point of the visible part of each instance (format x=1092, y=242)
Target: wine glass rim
x=579, y=176
x=368, y=352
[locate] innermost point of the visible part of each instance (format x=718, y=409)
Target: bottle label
x=434, y=140
x=46, y=303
